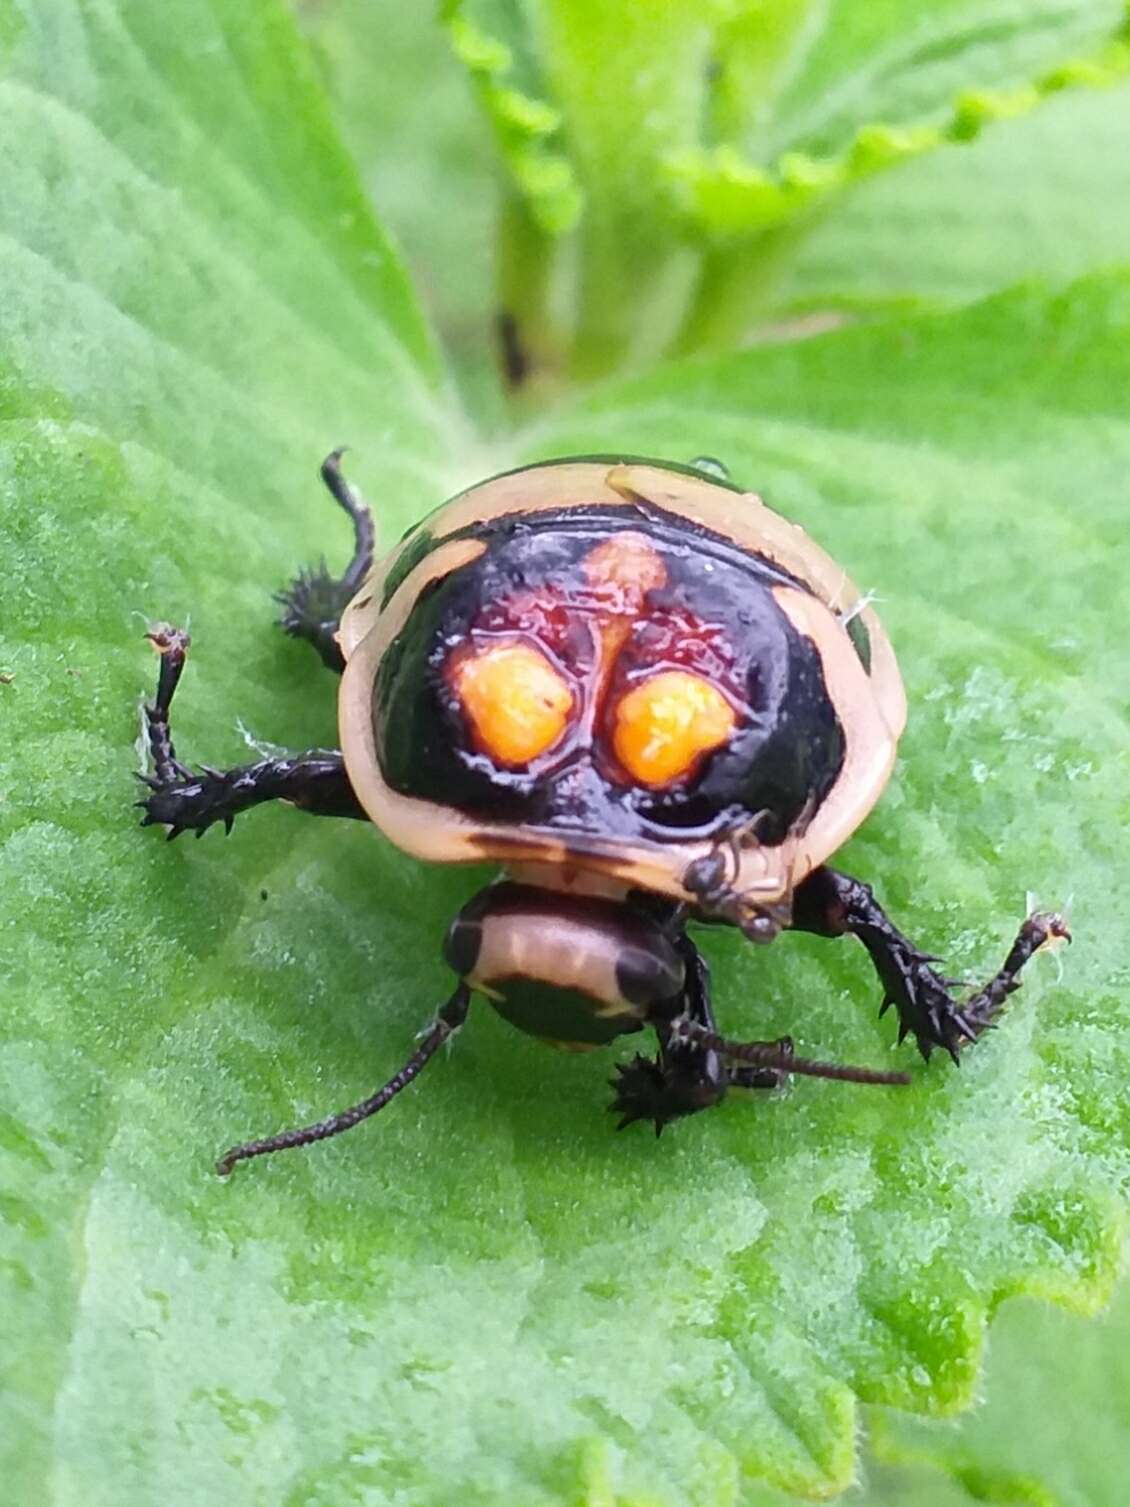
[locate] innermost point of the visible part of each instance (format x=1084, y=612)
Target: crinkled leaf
x=487, y=1296
x=1054, y=1429
x=1050, y=1428
x=1048, y=196
x=527, y=126
x=854, y=85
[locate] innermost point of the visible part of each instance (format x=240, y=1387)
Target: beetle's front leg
x=830, y=904
x=181, y=799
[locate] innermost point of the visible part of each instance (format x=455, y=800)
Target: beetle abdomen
x=573, y=969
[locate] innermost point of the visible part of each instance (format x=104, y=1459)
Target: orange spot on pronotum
x=629, y=565
x=665, y=725
x=517, y=702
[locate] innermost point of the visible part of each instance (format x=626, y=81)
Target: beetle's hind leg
x=685, y=1077
x=313, y=602
x=180, y=798
x=830, y=904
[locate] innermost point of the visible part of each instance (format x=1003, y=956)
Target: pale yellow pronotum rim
x=871, y=707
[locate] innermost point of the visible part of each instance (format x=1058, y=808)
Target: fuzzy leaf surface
x=487, y=1296
x=1070, y=1374
x=1047, y=196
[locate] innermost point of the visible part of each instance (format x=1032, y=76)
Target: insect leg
x=681, y=1079
x=699, y=1010
x=686, y=1076
x=313, y=602
x=829, y=904
x=180, y=798
x=448, y=1020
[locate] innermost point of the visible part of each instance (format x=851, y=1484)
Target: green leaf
x=426, y=155
x=697, y=142
x=1053, y=1430
x=488, y=1297
x=844, y=68
x=949, y=227
x=197, y=306
x=1050, y=1429
x=1049, y=196
x=525, y=124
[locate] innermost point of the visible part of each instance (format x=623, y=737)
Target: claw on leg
x=172, y=646
x=1041, y=930
x=313, y=602
x=639, y=1093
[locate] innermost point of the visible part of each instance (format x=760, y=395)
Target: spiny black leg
x=685, y=1077
x=829, y=904
x=1037, y=931
x=699, y=1010
x=315, y=782
x=681, y=1080
x=448, y=1020
x=314, y=601
x=180, y=798
x=746, y=1076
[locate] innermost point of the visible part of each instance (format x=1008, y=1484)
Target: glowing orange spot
x=517, y=702
x=667, y=723
x=629, y=563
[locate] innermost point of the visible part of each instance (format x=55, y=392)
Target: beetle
x=653, y=701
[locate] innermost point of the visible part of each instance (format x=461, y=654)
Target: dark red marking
x=673, y=638
x=554, y=624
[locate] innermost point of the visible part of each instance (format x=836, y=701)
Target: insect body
x=653, y=701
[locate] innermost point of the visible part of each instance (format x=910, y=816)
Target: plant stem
x=734, y=285
x=528, y=263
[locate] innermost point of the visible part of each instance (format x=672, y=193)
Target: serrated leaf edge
x=720, y=194
x=524, y=125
